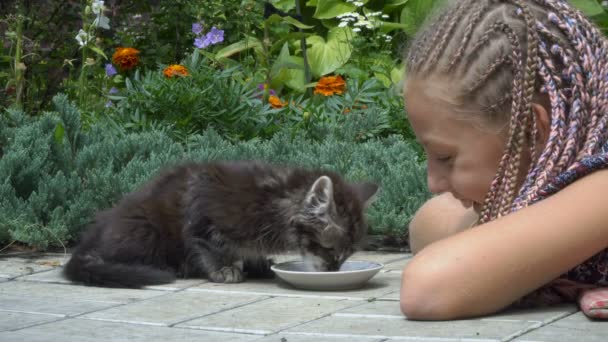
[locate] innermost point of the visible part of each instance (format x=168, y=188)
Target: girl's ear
x=543, y=124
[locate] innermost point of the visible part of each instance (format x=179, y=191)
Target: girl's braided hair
x=497, y=55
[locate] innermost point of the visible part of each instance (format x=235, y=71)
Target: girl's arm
x=484, y=269
x=438, y=218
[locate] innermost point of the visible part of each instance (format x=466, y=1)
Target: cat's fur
x=213, y=219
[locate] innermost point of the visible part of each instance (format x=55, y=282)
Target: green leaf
x=284, y=5
x=59, y=133
x=296, y=77
x=327, y=9
x=245, y=44
x=325, y=57
x=391, y=5
x=275, y=18
x=588, y=7
x=415, y=12
x=98, y=51
x=296, y=23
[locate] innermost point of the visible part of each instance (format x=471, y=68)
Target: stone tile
x=396, y=266
x=269, y=316
x=576, y=327
x=48, y=276
x=392, y=296
x=390, y=309
x=17, y=320
x=392, y=327
x=71, y=292
x=387, y=309
x=35, y=303
x=173, y=308
x=541, y=315
x=381, y=257
x=380, y=285
x=83, y=330
x=179, y=284
x=55, y=276
x=280, y=337
x=19, y=266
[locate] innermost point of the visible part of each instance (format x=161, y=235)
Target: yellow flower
x=276, y=102
x=330, y=85
x=126, y=58
x=175, y=70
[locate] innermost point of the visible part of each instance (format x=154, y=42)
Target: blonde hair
x=497, y=55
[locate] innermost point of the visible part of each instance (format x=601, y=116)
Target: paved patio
x=36, y=304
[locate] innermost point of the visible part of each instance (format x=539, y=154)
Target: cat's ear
x=321, y=195
x=366, y=192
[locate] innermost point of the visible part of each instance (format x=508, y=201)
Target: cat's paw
x=227, y=274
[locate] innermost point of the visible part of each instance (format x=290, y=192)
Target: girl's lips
x=466, y=204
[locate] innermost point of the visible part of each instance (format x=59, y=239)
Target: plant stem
x=307, y=76
x=265, y=44
x=18, y=67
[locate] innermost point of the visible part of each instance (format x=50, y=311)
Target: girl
x=510, y=101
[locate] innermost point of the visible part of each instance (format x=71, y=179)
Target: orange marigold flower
x=175, y=70
x=276, y=102
x=330, y=85
x=126, y=58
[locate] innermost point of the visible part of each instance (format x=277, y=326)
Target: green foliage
x=54, y=179
x=207, y=98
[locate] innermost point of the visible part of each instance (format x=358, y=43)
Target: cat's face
x=331, y=222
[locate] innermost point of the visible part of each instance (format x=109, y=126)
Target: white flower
x=97, y=7
x=343, y=24
x=102, y=21
x=385, y=16
x=356, y=29
x=82, y=38
x=358, y=3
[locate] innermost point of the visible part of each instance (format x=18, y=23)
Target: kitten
x=219, y=220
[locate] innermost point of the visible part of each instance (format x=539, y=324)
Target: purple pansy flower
x=201, y=42
x=197, y=28
x=215, y=36
x=110, y=70
x=113, y=91
x=109, y=104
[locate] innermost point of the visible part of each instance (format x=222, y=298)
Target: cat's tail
x=92, y=270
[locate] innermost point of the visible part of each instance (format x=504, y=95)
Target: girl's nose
x=437, y=182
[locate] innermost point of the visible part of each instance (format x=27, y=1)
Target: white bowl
x=352, y=275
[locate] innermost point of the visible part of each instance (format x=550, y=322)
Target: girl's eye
x=444, y=159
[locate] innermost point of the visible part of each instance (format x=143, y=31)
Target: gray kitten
x=219, y=220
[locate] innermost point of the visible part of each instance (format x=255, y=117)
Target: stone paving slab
x=278, y=313
x=39, y=305
x=50, y=305
x=71, y=293
x=382, y=284
x=19, y=320
x=83, y=330
x=173, y=308
x=575, y=327
x=23, y=265
x=396, y=327
x=303, y=338
x=396, y=266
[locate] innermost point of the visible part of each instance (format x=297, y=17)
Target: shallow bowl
x=353, y=274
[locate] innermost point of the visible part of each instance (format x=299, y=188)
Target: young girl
x=510, y=101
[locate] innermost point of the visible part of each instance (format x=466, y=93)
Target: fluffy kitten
x=218, y=220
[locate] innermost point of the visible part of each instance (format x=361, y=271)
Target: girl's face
x=461, y=158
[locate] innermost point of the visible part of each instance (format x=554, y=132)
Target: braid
x=503, y=54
